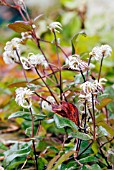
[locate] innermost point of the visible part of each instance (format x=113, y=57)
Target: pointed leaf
x=95, y=167
x=26, y=116
x=74, y=41
x=52, y=162
x=103, y=103
x=63, y=158
x=108, y=128
x=18, y=84
x=89, y=159
x=64, y=122
x=81, y=135
x=20, y=26
x=95, y=147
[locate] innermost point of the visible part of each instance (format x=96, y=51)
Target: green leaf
x=41, y=163
x=3, y=147
x=28, y=131
x=75, y=40
x=26, y=116
x=95, y=147
x=81, y=135
x=95, y=167
x=103, y=103
x=108, y=128
x=17, y=150
x=85, y=167
x=102, y=132
x=63, y=158
x=64, y=122
x=52, y=162
x=101, y=117
x=20, y=26
x=89, y=159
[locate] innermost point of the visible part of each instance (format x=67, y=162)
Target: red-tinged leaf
x=103, y=103
x=18, y=84
x=20, y=26
x=67, y=110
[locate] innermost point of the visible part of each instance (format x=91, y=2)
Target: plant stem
x=84, y=150
x=33, y=142
x=82, y=74
x=88, y=66
x=100, y=68
x=85, y=117
x=54, y=44
x=38, y=44
x=46, y=85
x=109, y=166
x=60, y=86
x=22, y=66
x=94, y=126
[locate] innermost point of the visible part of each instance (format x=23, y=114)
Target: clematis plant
x=75, y=107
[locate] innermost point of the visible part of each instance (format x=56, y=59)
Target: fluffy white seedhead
x=75, y=63
x=106, y=50
x=23, y=97
x=10, y=56
x=37, y=59
x=55, y=26
x=96, y=53
x=46, y=105
x=88, y=87
x=99, y=52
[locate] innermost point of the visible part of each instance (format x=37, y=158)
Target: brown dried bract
x=67, y=110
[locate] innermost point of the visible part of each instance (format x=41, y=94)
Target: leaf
x=89, y=159
x=68, y=110
x=51, y=163
x=101, y=117
x=95, y=167
x=74, y=41
x=95, y=147
x=18, y=84
x=64, y=122
x=102, y=132
x=17, y=150
x=81, y=135
x=108, y=128
x=63, y=158
x=3, y=147
x=20, y=26
x=28, y=131
x=103, y=103
x=85, y=167
x=26, y=116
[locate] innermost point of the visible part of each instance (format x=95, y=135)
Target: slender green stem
x=94, y=124
x=100, y=68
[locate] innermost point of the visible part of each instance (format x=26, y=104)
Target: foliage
x=58, y=126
